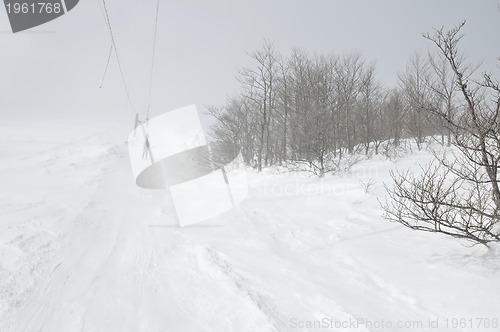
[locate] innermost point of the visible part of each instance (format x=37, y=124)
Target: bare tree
x=395, y=115
x=349, y=76
x=283, y=108
x=417, y=96
x=309, y=110
x=369, y=107
x=233, y=131
x=458, y=196
x=259, y=85
x=442, y=84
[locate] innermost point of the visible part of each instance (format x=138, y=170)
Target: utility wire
x=111, y=48
x=116, y=53
x=107, y=65
x=153, y=59
x=102, y=12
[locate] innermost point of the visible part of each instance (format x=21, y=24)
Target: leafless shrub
x=460, y=196
x=367, y=185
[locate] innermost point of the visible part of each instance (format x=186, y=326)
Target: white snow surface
x=84, y=249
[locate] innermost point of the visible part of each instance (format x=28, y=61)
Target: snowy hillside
x=83, y=249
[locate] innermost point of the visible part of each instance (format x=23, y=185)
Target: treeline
x=318, y=109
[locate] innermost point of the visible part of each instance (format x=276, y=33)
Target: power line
x=116, y=53
x=107, y=65
x=102, y=11
x=110, y=49
x=153, y=59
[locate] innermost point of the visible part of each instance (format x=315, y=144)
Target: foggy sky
x=53, y=71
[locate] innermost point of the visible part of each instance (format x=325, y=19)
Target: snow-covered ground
x=83, y=249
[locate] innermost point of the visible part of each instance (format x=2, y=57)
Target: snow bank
x=83, y=248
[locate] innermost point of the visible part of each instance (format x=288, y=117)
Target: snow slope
x=83, y=249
